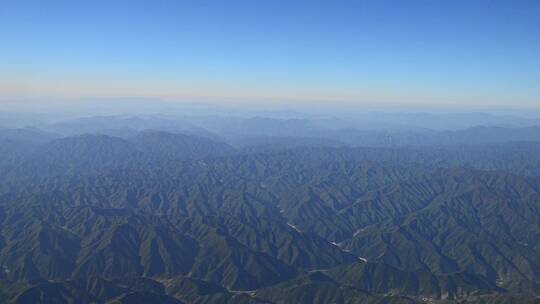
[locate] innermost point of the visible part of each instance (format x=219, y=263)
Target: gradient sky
x=473, y=52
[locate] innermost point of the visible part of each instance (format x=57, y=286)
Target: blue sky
x=479, y=53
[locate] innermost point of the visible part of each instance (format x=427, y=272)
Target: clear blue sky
x=404, y=52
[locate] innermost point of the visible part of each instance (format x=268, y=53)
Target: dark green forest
x=162, y=217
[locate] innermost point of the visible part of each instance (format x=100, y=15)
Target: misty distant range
x=269, y=207
x=376, y=129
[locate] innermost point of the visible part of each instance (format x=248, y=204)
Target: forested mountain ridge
x=173, y=218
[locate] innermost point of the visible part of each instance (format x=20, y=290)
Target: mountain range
x=161, y=216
